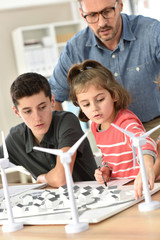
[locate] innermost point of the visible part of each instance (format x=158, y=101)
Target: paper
x=17, y=189
x=117, y=182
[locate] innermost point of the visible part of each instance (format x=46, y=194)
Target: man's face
x=36, y=112
x=104, y=29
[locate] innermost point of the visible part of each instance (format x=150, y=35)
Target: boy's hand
x=41, y=179
x=98, y=174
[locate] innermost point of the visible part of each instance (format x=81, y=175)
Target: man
x=33, y=102
x=129, y=46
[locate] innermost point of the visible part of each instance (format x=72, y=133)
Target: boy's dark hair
x=90, y=72
x=28, y=84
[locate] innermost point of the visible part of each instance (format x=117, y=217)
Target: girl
x=103, y=101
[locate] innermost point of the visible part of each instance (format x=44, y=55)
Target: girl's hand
x=98, y=174
x=138, y=185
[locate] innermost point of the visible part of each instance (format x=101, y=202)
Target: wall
x=11, y=19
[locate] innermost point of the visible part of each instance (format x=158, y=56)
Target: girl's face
x=98, y=105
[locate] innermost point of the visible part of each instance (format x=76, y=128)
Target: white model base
x=145, y=207
x=12, y=227
x=75, y=228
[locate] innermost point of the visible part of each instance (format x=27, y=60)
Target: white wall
x=149, y=8
x=10, y=20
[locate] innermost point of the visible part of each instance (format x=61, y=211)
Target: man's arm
x=56, y=176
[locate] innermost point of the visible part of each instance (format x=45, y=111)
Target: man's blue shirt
x=135, y=63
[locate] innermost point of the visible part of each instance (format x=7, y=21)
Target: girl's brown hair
x=80, y=76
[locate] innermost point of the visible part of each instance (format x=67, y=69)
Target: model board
x=95, y=203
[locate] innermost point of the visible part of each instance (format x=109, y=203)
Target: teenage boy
x=33, y=102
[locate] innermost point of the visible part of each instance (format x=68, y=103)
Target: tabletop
x=126, y=225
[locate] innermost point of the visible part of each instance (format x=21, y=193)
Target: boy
x=33, y=102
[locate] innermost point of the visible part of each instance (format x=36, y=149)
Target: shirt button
x=115, y=74
x=113, y=56
x=138, y=69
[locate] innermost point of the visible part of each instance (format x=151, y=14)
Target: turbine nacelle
x=138, y=141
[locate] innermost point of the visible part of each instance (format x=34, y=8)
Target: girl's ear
x=115, y=97
x=16, y=111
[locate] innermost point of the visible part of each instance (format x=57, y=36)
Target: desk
x=127, y=225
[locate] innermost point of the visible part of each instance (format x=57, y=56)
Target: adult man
x=129, y=46
x=33, y=102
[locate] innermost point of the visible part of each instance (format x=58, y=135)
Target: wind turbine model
x=11, y=226
x=65, y=158
x=138, y=142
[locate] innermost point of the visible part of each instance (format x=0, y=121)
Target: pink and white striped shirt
x=116, y=147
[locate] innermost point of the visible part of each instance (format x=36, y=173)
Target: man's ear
x=16, y=111
x=121, y=5
x=80, y=9
x=52, y=102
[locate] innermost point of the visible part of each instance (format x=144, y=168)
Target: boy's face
x=36, y=112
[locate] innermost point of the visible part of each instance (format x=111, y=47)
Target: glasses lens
x=108, y=13
x=92, y=18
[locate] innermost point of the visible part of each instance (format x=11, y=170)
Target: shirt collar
x=127, y=33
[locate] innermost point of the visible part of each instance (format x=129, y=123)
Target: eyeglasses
x=106, y=13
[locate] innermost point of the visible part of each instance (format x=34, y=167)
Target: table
x=127, y=225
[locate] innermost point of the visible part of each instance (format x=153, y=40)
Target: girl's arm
x=157, y=163
x=138, y=186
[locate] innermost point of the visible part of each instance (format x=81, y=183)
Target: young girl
x=103, y=101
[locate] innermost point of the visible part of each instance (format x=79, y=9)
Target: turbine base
x=76, y=227
x=12, y=227
x=145, y=207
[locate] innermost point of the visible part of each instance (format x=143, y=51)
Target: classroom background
x=54, y=22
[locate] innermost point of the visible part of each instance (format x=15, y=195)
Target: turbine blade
x=130, y=134
x=47, y=150
x=76, y=145
x=19, y=168
x=150, y=131
x=5, y=152
x=12, y=165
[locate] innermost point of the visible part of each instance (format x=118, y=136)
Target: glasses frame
x=101, y=12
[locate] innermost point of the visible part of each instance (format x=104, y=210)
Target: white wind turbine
x=11, y=225
x=65, y=158
x=138, y=142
